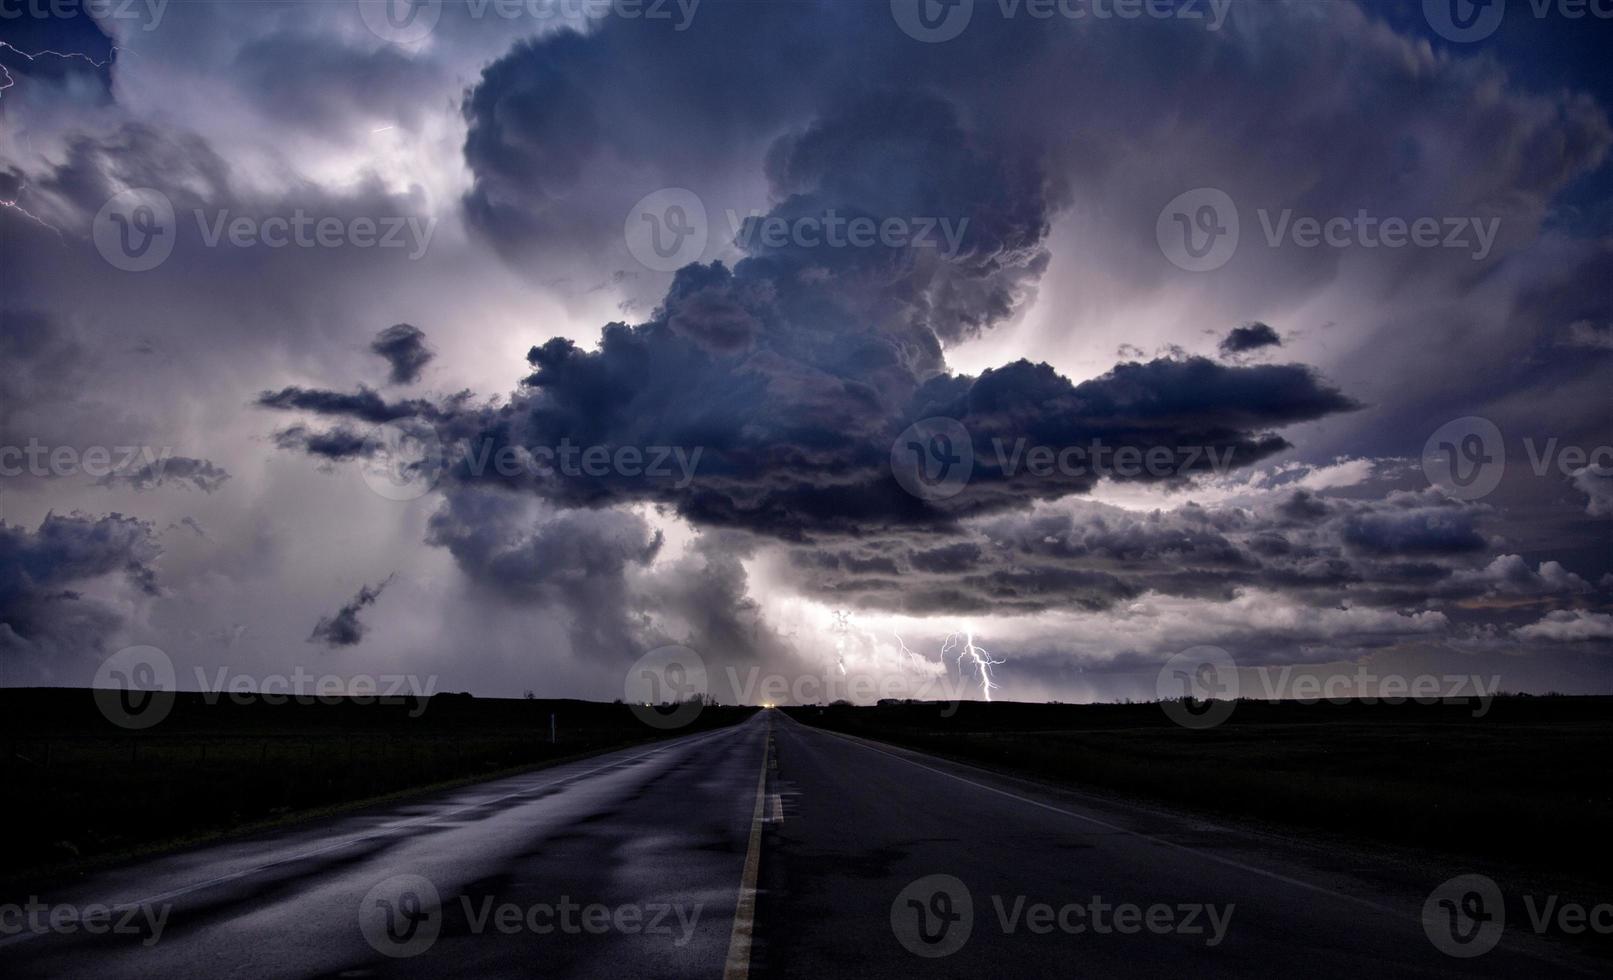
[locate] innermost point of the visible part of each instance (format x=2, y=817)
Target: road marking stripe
x=739, y=943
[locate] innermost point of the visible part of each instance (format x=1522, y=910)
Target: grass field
x=1526, y=784
x=81, y=788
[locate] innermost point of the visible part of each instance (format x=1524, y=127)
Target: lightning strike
x=11, y=81
x=36, y=219
x=14, y=205
x=962, y=645
x=909, y=657
x=841, y=627
x=979, y=657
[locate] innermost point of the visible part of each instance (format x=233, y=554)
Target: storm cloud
x=49, y=626
x=343, y=629
x=1249, y=337
x=618, y=453
x=404, y=347
x=201, y=474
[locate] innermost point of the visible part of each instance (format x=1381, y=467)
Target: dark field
x=1525, y=786
x=80, y=788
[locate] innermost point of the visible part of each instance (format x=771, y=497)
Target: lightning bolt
x=979, y=657
x=908, y=657
x=841, y=627
x=10, y=81
x=36, y=219
x=962, y=645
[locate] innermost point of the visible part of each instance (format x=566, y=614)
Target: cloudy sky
x=506, y=343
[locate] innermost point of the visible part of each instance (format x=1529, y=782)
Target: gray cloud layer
x=795, y=367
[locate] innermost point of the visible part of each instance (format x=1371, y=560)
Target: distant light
x=767, y=704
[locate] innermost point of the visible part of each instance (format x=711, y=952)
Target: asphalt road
x=504, y=879
x=769, y=848
x=867, y=827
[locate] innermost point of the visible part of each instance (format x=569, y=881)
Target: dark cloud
x=364, y=405
x=794, y=371
x=945, y=559
x=343, y=629
x=598, y=572
x=339, y=443
x=566, y=132
x=1249, y=337
x=202, y=474
x=1413, y=531
x=501, y=541
x=258, y=296
x=909, y=156
x=1407, y=550
x=404, y=348
x=578, y=562
x=793, y=449
x=95, y=167
x=47, y=627
x=1303, y=507
x=793, y=367
x=194, y=526
x=559, y=125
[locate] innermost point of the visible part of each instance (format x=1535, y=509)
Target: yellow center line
x=739, y=944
